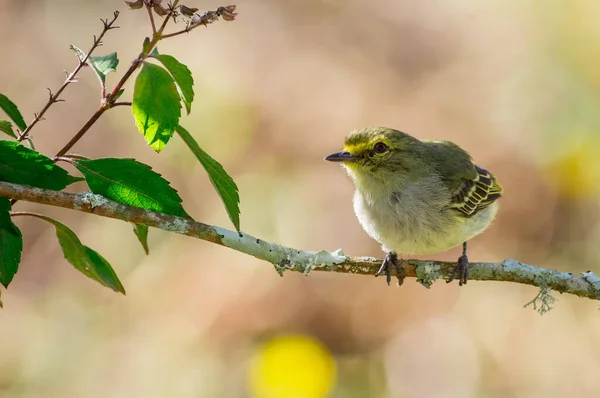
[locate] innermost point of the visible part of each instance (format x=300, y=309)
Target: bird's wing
x=471, y=187
x=476, y=193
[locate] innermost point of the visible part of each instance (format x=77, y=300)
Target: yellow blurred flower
x=292, y=366
x=574, y=168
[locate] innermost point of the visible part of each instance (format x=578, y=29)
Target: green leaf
x=223, y=183
x=12, y=111
x=84, y=259
x=154, y=51
x=132, y=183
x=5, y=221
x=21, y=165
x=6, y=127
x=104, y=64
x=141, y=231
x=145, y=45
x=78, y=51
x=11, y=244
x=156, y=106
x=183, y=78
x=119, y=93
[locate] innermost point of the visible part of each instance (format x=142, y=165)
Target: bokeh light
x=292, y=367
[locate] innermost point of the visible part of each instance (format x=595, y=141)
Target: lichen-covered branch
x=286, y=258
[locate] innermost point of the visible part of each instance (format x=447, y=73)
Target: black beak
x=341, y=157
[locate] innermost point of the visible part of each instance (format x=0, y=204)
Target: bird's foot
x=391, y=259
x=461, y=271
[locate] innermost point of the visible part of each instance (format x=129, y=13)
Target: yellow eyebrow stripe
x=362, y=147
x=356, y=149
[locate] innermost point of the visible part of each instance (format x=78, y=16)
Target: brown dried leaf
x=227, y=13
x=134, y=5
x=187, y=11
x=160, y=10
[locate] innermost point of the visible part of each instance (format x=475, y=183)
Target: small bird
x=417, y=197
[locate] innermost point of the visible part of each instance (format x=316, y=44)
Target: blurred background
x=516, y=83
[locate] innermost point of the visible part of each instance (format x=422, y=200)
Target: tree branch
x=285, y=258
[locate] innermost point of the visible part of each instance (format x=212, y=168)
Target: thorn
x=50, y=94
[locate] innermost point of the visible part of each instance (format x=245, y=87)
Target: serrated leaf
x=104, y=64
x=141, y=231
x=6, y=127
x=132, y=183
x=21, y=165
x=183, y=78
x=85, y=260
x=156, y=106
x=223, y=183
x=11, y=244
x=12, y=111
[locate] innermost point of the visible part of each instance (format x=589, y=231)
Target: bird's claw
x=461, y=271
x=391, y=259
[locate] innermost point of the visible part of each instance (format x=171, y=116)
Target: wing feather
x=477, y=193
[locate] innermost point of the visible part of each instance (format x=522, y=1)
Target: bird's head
x=378, y=153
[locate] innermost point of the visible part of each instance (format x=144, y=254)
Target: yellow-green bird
x=417, y=197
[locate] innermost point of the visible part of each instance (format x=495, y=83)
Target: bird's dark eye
x=380, y=147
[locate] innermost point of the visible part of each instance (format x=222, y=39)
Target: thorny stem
x=53, y=98
x=108, y=101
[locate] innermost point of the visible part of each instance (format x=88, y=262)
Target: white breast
x=416, y=220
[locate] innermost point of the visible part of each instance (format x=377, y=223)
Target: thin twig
x=124, y=103
x=286, y=258
x=107, y=25
x=103, y=108
x=151, y=15
x=164, y=24
x=207, y=18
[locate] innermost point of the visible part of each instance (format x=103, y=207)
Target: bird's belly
x=410, y=230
